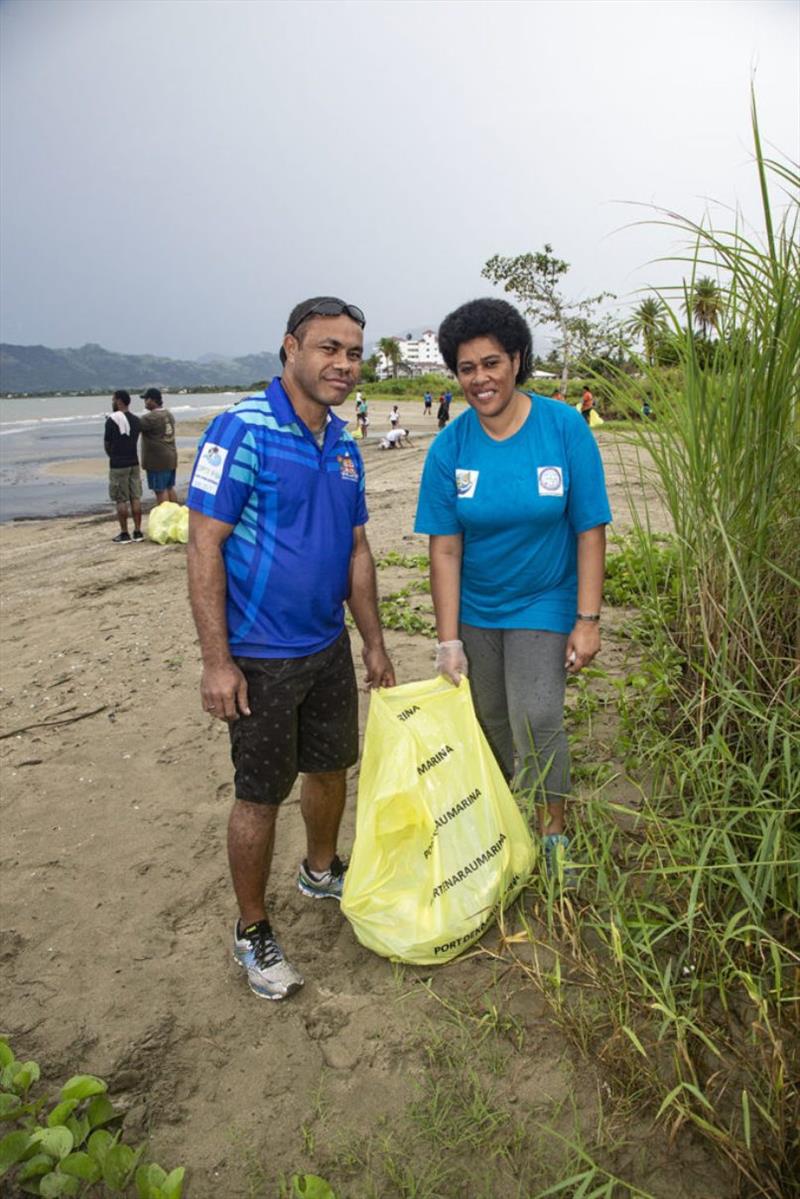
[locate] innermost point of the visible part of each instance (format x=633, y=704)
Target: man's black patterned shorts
x=304, y=719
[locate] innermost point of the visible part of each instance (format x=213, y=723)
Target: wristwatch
x=591, y=616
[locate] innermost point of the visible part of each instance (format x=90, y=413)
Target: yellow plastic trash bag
x=168, y=523
x=440, y=841
x=595, y=418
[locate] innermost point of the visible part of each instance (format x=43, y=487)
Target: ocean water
x=39, y=430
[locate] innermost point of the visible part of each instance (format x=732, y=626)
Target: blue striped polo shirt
x=293, y=507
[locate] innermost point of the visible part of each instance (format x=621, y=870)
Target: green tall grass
x=685, y=936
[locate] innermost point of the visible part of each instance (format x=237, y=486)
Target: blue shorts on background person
x=160, y=480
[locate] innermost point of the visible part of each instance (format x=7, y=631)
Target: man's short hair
x=123, y=396
x=305, y=311
x=153, y=394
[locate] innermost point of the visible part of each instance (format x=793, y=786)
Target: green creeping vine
x=68, y=1150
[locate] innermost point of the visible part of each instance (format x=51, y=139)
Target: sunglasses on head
x=331, y=308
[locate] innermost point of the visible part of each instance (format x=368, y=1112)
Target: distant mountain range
x=34, y=369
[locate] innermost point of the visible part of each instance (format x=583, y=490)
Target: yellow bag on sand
x=595, y=418
x=440, y=841
x=168, y=523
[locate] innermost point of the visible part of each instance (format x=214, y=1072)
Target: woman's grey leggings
x=518, y=679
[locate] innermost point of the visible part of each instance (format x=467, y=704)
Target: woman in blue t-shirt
x=513, y=497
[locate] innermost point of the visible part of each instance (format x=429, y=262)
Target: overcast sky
x=176, y=174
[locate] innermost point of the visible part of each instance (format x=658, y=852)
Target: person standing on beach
x=514, y=501
x=159, y=455
x=428, y=402
x=124, y=478
x=276, y=546
x=362, y=408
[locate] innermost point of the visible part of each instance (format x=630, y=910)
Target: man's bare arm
x=363, y=603
x=223, y=687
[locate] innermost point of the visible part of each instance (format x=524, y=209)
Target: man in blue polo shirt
x=276, y=547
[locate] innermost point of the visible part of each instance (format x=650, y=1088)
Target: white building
x=416, y=357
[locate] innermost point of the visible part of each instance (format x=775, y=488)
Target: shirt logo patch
x=347, y=467
x=551, y=480
x=466, y=482
x=208, y=472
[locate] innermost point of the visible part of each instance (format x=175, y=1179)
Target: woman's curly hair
x=487, y=318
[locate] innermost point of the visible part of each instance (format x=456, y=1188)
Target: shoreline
x=95, y=470
x=79, y=483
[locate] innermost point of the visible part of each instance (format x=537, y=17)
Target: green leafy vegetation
x=400, y=610
x=308, y=1186
x=678, y=963
x=638, y=566
x=408, y=561
x=67, y=1148
x=412, y=387
x=397, y=611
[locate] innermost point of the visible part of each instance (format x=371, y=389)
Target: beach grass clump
x=677, y=967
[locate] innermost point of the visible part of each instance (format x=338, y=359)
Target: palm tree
x=648, y=322
x=705, y=304
x=369, y=369
x=390, y=348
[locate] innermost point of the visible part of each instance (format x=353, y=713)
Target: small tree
x=369, y=369
x=390, y=348
x=535, y=282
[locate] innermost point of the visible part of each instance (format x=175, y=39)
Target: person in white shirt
x=394, y=439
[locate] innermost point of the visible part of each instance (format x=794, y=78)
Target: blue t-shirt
x=519, y=504
x=293, y=508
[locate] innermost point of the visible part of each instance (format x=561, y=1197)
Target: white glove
x=451, y=660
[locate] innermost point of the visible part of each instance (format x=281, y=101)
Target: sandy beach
x=117, y=909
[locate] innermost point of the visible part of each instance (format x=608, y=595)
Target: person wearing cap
x=159, y=454
x=276, y=547
x=120, y=435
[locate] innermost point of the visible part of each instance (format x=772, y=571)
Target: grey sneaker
x=268, y=973
x=121, y=539
x=138, y=535
x=327, y=885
